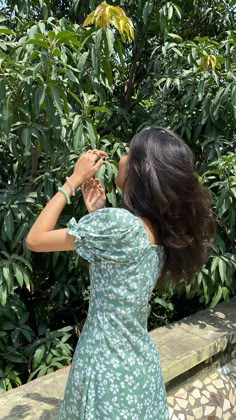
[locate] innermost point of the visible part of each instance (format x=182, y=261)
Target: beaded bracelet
x=70, y=185
x=65, y=194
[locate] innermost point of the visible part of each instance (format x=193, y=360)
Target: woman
x=166, y=225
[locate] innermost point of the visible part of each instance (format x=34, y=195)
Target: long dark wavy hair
x=162, y=186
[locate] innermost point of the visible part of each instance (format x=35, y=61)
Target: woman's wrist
x=75, y=180
x=72, y=184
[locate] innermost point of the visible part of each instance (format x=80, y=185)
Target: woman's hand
x=88, y=164
x=93, y=194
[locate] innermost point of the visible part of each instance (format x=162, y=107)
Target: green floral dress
x=115, y=373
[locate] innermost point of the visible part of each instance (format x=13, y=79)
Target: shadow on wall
x=224, y=321
x=21, y=411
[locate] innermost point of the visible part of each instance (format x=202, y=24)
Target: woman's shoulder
x=116, y=212
x=106, y=219
x=119, y=216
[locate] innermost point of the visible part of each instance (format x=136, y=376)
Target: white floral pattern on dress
x=115, y=373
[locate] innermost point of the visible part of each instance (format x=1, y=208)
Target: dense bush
x=65, y=88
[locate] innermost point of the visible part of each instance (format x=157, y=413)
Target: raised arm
x=43, y=237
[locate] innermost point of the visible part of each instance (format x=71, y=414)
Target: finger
x=98, y=182
x=85, y=187
x=98, y=164
x=97, y=185
x=91, y=183
x=90, y=195
x=85, y=195
x=94, y=195
x=103, y=194
x=100, y=187
x=100, y=153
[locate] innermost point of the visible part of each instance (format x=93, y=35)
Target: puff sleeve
x=111, y=234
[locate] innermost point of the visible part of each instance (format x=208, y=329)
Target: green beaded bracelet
x=65, y=194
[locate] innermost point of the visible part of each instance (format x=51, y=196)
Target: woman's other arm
x=43, y=237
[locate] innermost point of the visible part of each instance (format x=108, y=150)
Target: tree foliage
x=66, y=87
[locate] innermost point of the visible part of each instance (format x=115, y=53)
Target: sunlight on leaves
x=105, y=15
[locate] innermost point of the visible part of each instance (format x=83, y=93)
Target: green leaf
x=168, y=82
x=24, y=318
x=214, y=263
x=7, y=115
x=108, y=71
x=92, y=134
x=26, y=135
x=216, y=298
x=3, y=294
x=65, y=35
x=6, y=271
x=111, y=195
x=99, y=109
x=222, y=270
x=76, y=122
x=6, y=31
x=9, y=280
x=19, y=234
x=65, y=329
x=51, y=35
x=170, y=12
x=110, y=40
x=37, y=42
x=175, y=36
x=233, y=96
x=38, y=356
x=57, y=99
x=119, y=50
x=27, y=280
x=45, y=11
x=21, y=259
x=43, y=371
x=7, y=326
x=78, y=141
x=18, y=274
x=147, y=10
x=56, y=52
x=33, y=374
x=163, y=303
x=9, y=224
x=41, y=95
x=225, y=292
x=205, y=290
x=71, y=76
x=82, y=61
x=177, y=10
x=100, y=175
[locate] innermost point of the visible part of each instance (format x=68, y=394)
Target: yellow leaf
x=204, y=62
x=89, y=19
x=101, y=19
x=106, y=15
x=116, y=23
x=118, y=11
x=213, y=62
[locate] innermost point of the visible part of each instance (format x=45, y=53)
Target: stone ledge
x=193, y=340
x=182, y=346
x=39, y=399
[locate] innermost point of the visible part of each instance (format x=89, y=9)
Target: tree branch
x=130, y=85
